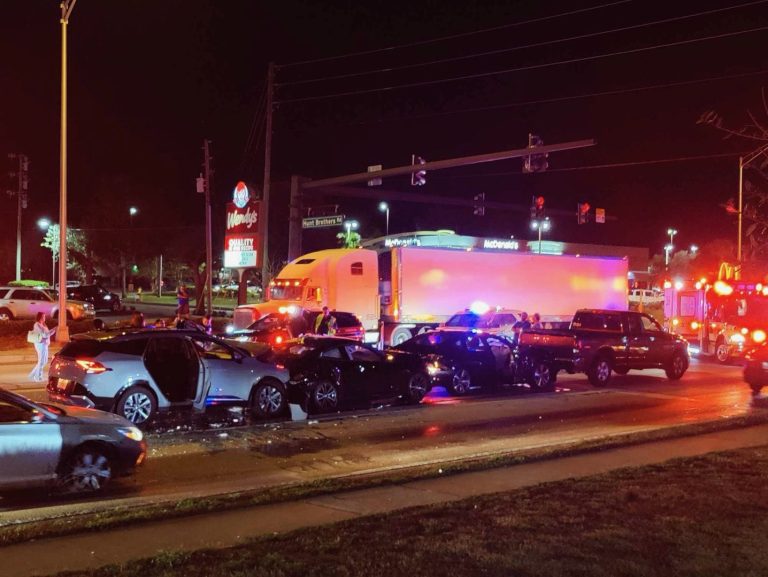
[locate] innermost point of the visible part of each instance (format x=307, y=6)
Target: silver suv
x=26, y=302
x=136, y=374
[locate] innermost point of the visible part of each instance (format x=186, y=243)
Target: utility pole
x=264, y=216
x=208, y=240
x=62, y=332
x=22, y=175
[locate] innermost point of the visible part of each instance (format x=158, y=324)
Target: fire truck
x=724, y=318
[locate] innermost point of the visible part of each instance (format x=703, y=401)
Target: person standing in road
x=182, y=297
x=325, y=323
x=41, y=346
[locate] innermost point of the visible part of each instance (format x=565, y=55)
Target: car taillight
x=278, y=339
x=91, y=367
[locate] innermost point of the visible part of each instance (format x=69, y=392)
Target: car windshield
x=468, y=320
x=268, y=322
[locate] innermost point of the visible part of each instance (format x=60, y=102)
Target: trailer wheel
x=399, y=336
x=599, y=373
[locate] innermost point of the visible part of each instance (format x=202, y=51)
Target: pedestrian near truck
x=42, y=335
x=325, y=323
x=182, y=297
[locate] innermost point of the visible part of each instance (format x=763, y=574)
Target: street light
x=542, y=225
x=384, y=207
x=45, y=224
x=745, y=161
x=671, y=232
x=349, y=226
x=667, y=250
x=694, y=249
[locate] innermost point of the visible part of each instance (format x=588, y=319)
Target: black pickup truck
x=600, y=342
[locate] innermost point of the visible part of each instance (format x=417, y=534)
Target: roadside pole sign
x=375, y=181
x=241, y=237
x=600, y=215
x=322, y=221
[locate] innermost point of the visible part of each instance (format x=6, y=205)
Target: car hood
x=93, y=416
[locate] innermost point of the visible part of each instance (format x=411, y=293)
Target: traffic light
x=480, y=204
x=535, y=162
x=582, y=212
x=419, y=177
x=537, y=208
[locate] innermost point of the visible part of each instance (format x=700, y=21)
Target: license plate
x=63, y=384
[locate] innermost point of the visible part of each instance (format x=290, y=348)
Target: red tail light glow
x=91, y=367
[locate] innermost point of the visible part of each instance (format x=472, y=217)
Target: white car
x=646, y=296
x=26, y=302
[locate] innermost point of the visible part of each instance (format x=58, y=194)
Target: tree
x=77, y=247
x=755, y=196
x=349, y=239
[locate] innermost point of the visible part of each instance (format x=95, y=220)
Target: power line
x=521, y=47
x=524, y=68
x=452, y=36
x=566, y=98
x=258, y=119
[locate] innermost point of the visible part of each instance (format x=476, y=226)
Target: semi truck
x=404, y=291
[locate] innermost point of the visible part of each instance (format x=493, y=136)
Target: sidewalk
x=25, y=355
x=84, y=551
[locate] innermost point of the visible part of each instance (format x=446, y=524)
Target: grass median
x=690, y=517
x=124, y=516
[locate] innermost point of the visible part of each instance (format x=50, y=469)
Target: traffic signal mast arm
x=449, y=163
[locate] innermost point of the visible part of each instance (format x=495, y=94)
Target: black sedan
x=462, y=360
x=68, y=448
x=329, y=373
x=756, y=368
x=100, y=298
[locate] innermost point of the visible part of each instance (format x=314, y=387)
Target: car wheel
x=721, y=352
x=6, y=315
x=599, y=373
x=462, y=382
x=542, y=377
x=268, y=399
x=677, y=366
x=418, y=385
x=88, y=470
x=69, y=316
x=400, y=335
x=138, y=405
x=325, y=397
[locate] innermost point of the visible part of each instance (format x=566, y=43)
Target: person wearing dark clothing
x=182, y=296
x=522, y=324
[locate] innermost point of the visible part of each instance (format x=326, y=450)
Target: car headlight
x=736, y=338
x=107, y=297
x=132, y=433
x=758, y=336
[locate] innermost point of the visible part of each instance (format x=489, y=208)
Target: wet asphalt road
x=231, y=454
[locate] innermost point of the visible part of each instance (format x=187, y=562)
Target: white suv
x=26, y=302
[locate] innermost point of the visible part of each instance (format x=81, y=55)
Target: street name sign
x=322, y=221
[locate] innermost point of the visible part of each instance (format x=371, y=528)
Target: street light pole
x=744, y=161
x=62, y=333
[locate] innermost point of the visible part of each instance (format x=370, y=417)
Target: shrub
x=32, y=283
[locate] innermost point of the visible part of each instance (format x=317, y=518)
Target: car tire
x=69, y=316
x=599, y=373
x=268, y=399
x=721, y=352
x=399, y=336
x=6, y=315
x=138, y=405
x=325, y=397
x=418, y=386
x=461, y=383
x=678, y=364
x=88, y=470
x=543, y=377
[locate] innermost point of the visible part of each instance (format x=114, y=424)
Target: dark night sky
x=149, y=80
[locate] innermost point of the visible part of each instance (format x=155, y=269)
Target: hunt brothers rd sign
x=241, y=238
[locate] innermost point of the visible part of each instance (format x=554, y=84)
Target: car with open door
x=71, y=449
x=464, y=360
x=331, y=373
x=139, y=373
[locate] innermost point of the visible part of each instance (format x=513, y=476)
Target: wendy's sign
x=241, y=237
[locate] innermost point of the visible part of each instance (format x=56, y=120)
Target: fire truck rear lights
x=736, y=338
x=667, y=284
x=679, y=285
x=675, y=322
x=758, y=336
x=744, y=331
x=695, y=326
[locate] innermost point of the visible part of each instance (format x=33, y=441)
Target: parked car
x=99, y=297
x=500, y=321
x=70, y=448
x=26, y=302
x=276, y=328
x=138, y=373
x=464, y=360
x=329, y=373
x=756, y=368
x=600, y=342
